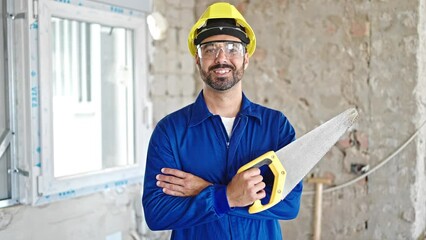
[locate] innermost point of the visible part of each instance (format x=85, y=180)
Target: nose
x=221, y=56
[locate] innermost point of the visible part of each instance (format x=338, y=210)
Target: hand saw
x=291, y=163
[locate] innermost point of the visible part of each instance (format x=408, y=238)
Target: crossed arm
x=243, y=190
x=184, y=199
x=174, y=199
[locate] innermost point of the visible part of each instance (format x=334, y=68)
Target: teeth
x=222, y=71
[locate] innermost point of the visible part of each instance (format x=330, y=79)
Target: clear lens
x=231, y=49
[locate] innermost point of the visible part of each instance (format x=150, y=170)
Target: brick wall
x=313, y=60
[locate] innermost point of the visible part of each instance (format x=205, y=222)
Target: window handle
x=19, y=171
x=16, y=16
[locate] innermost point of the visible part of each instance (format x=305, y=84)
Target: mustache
x=221, y=66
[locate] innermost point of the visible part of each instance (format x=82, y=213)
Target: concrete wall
x=313, y=60
x=419, y=188
x=99, y=216
x=172, y=68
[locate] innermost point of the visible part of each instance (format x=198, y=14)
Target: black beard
x=222, y=83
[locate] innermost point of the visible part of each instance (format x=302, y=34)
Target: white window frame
x=7, y=139
x=50, y=188
x=140, y=5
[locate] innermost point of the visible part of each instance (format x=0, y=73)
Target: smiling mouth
x=221, y=71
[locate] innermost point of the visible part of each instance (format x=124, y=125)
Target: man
x=191, y=185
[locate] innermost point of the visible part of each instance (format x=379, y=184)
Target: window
x=92, y=97
x=8, y=181
x=84, y=117
x=94, y=111
x=4, y=117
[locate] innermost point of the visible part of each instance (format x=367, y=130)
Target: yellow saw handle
x=270, y=159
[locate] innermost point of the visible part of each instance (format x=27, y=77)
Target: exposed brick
x=242, y=7
x=325, y=50
x=282, y=73
x=188, y=85
x=361, y=140
x=174, y=86
x=360, y=29
x=259, y=55
x=344, y=143
x=158, y=86
x=329, y=175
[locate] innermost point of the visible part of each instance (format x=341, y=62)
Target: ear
x=197, y=59
x=246, y=61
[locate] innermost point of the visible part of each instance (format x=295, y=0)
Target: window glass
x=4, y=176
x=93, y=104
x=5, y=184
x=92, y=89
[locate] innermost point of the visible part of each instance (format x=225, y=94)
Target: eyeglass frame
x=199, y=52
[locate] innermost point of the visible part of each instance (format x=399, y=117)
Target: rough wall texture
x=317, y=58
x=171, y=67
x=419, y=189
x=314, y=59
x=112, y=213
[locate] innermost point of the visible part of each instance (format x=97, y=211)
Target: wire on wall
x=381, y=164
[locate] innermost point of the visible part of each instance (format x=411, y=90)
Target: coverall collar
x=200, y=111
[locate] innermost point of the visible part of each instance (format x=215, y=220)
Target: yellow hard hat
x=221, y=18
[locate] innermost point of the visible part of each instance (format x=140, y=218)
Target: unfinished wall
x=317, y=58
x=314, y=58
x=172, y=67
x=111, y=214
x=419, y=189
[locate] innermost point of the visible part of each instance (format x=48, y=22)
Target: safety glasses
x=231, y=49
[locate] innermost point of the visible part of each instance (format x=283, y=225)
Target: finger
x=255, y=180
x=258, y=195
x=259, y=187
x=251, y=172
x=261, y=194
x=170, y=179
x=252, y=181
x=173, y=193
x=174, y=172
x=170, y=187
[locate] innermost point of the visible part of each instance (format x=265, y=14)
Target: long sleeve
x=168, y=212
x=288, y=208
x=194, y=140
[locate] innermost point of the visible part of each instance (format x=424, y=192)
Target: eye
x=208, y=48
x=233, y=48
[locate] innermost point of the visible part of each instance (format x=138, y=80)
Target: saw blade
x=300, y=156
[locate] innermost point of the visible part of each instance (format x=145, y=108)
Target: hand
x=245, y=188
x=179, y=183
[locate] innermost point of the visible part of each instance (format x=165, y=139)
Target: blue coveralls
x=194, y=140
